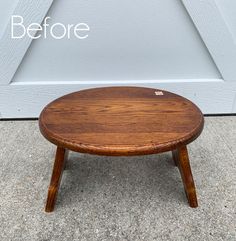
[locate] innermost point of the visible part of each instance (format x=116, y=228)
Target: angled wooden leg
x=66, y=158
x=187, y=178
x=55, y=179
x=175, y=157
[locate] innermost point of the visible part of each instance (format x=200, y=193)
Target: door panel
x=153, y=40
x=182, y=46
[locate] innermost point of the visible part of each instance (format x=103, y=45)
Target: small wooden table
x=121, y=121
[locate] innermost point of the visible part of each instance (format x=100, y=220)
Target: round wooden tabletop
x=121, y=121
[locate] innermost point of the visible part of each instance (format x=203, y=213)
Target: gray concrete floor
x=117, y=198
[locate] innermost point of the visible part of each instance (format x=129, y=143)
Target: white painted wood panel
x=212, y=96
x=6, y=10
x=12, y=51
x=152, y=40
x=185, y=48
x=216, y=33
x=228, y=10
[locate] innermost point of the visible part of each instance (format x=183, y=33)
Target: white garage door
x=184, y=46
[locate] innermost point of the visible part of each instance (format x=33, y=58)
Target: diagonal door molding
x=12, y=51
x=215, y=33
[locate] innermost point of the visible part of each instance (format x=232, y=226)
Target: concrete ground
x=117, y=198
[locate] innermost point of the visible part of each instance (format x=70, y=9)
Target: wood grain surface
x=58, y=168
x=121, y=121
x=181, y=160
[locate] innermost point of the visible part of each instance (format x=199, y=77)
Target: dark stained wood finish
x=117, y=121
x=55, y=179
x=66, y=158
x=175, y=157
x=121, y=121
x=182, y=160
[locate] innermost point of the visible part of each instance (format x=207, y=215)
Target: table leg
x=55, y=179
x=175, y=157
x=186, y=174
x=66, y=158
